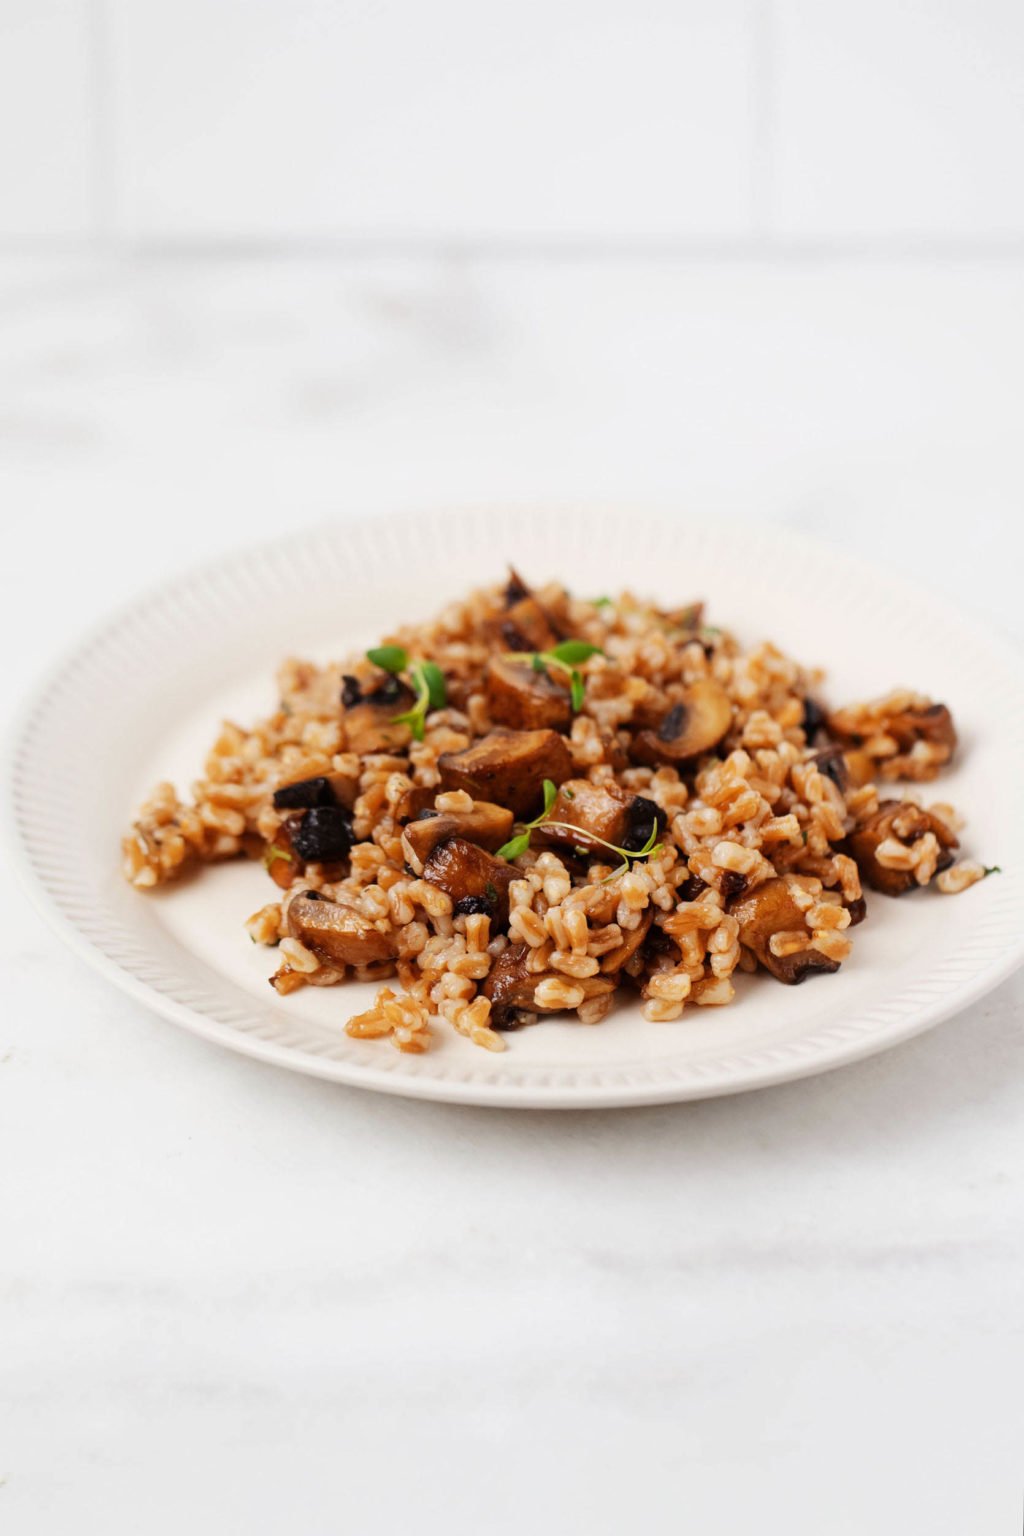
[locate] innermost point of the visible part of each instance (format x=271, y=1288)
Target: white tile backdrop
x=673, y=123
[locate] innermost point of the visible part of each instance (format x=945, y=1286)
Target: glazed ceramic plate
x=141, y=699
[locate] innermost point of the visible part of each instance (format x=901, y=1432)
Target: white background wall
x=757, y=124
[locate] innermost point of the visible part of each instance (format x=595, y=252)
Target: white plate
x=142, y=698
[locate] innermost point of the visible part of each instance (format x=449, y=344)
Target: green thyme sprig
x=519, y=844
x=426, y=678
x=564, y=657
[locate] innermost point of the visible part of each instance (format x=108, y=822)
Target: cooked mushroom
x=526, y=625
x=693, y=725
x=508, y=768
x=337, y=934
x=815, y=719
x=520, y=696
x=512, y=988
x=468, y=873
x=604, y=812
x=831, y=761
x=905, y=822
x=413, y=802
x=321, y=790
x=486, y=825
x=768, y=910
x=320, y=835
x=928, y=722
x=370, y=724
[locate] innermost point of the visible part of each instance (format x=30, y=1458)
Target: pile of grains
x=536, y=801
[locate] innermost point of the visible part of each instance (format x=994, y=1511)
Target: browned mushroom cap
x=595, y=812
x=508, y=768
x=511, y=988
x=486, y=825
x=906, y=822
x=693, y=725
x=336, y=933
x=370, y=724
x=472, y=878
x=768, y=910
x=526, y=700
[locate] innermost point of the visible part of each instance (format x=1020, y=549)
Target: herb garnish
x=390, y=658
x=427, y=680
x=565, y=657
x=519, y=844
x=991, y=869
x=273, y=853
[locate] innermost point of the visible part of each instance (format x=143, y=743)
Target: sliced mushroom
x=526, y=700
x=906, y=822
x=508, y=768
x=337, y=934
x=692, y=726
x=768, y=910
x=370, y=724
x=467, y=873
x=511, y=988
x=600, y=812
x=321, y=790
x=486, y=825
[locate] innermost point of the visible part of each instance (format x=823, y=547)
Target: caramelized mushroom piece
x=511, y=988
x=508, y=768
x=691, y=727
x=322, y=789
x=413, y=802
x=526, y=700
x=337, y=934
x=370, y=724
x=600, y=811
x=526, y=625
x=470, y=875
x=486, y=825
x=831, y=761
x=768, y=910
x=906, y=822
x=932, y=723
x=320, y=835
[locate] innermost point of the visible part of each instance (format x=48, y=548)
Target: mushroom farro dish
x=537, y=800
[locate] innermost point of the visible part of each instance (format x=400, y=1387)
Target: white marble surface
x=234, y=1300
